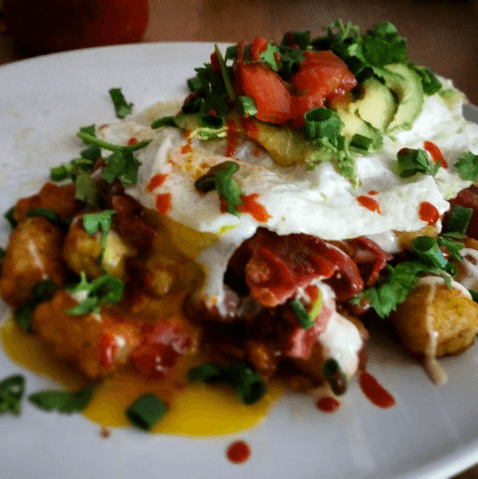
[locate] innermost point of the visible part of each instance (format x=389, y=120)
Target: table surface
x=441, y=34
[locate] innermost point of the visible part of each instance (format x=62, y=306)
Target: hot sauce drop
x=428, y=213
x=435, y=153
x=376, y=393
x=255, y=209
x=163, y=203
x=155, y=182
x=238, y=452
x=369, y=203
x=328, y=404
x=231, y=138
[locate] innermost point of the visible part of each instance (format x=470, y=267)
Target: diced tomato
x=107, y=349
x=273, y=100
x=258, y=46
x=321, y=77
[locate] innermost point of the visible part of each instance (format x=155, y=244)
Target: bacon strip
x=275, y=266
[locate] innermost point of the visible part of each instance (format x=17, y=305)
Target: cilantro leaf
x=429, y=80
x=66, y=402
x=268, y=56
x=105, y=289
x=12, y=389
x=453, y=247
x=86, y=189
x=121, y=164
x=122, y=108
x=219, y=178
x=467, y=166
x=412, y=161
x=92, y=222
x=42, y=291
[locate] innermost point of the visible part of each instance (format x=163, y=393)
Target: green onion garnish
x=12, y=389
x=322, y=123
x=50, y=215
x=304, y=319
x=249, y=386
x=207, y=373
x=335, y=377
x=122, y=107
x=9, y=216
x=427, y=249
x=360, y=143
x=164, y=121
x=247, y=105
x=225, y=74
x=146, y=411
x=412, y=161
x=458, y=220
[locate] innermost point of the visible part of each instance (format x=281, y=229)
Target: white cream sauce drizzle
x=436, y=373
x=468, y=276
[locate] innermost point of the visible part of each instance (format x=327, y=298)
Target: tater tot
x=60, y=199
x=33, y=255
x=81, y=252
x=95, y=343
x=432, y=311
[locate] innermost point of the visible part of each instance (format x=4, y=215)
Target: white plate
x=431, y=432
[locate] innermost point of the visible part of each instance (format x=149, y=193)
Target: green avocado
x=407, y=88
x=376, y=104
x=354, y=125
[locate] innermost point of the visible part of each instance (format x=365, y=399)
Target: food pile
x=301, y=190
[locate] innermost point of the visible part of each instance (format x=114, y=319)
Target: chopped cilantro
x=412, y=161
x=42, y=291
x=92, y=222
x=269, y=56
x=453, y=247
x=102, y=290
x=66, y=402
x=164, y=121
x=430, y=82
x=86, y=189
x=225, y=74
x=90, y=139
x=300, y=39
x=467, y=166
x=12, y=389
x=220, y=178
x=122, y=108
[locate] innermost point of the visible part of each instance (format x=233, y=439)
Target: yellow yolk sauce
x=193, y=409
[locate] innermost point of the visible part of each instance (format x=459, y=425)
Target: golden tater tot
x=81, y=252
x=434, y=311
x=33, y=255
x=60, y=199
x=95, y=343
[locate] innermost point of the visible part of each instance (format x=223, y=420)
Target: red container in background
x=44, y=26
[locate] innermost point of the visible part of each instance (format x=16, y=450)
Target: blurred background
x=442, y=34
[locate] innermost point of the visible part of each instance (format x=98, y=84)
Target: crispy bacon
x=369, y=253
x=275, y=266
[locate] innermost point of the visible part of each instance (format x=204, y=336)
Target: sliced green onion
x=427, y=249
x=335, y=377
x=361, y=143
x=412, y=161
x=59, y=173
x=303, y=318
x=249, y=386
x=225, y=73
x=65, y=402
x=12, y=389
x=86, y=189
x=93, y=140
x=89, y=130
x=209, y=372
x=146, y=411
x=322, y=123
x=458, y=220
x=247, y=105
x=164, y=121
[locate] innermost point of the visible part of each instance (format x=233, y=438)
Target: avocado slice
x=406, y=85
x=354, y=125
x=376, y=105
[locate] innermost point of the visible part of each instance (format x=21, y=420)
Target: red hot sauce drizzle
x=328, y=404
x=435, y=153
x=375, y=392
x=428, y=213
x=369, y=203
x=163, y=203
x=155, y=182
x=255, y=209
x=187, y=148
x=231, y=138
x=238, y=452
